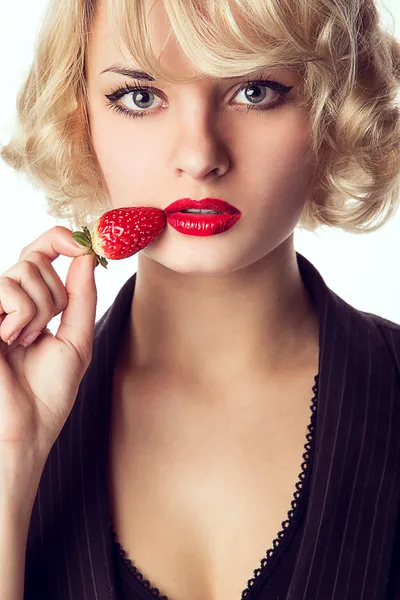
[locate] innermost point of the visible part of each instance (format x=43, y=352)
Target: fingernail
x=13, y=337
x=30, y=338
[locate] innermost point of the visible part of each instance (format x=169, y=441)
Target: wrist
x=19, y=483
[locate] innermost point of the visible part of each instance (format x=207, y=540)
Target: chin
x=213, y=264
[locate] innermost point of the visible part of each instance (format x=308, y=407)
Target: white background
x=362, y=269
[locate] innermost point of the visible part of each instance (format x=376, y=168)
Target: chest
x=199, y=484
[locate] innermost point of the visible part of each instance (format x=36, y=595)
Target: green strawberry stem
x=85, y=239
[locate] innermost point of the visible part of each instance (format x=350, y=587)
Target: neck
x=255, y=320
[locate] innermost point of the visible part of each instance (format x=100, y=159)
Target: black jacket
x=350, y=547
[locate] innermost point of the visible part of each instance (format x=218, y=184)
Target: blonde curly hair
x=350, y=74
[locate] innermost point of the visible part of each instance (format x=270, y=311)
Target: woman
x=235, y=408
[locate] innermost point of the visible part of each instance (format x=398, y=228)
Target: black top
x=272, y=578
x=349, y=544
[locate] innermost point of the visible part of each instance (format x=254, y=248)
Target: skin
x=233, y=303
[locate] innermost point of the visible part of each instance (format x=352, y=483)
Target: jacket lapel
x=354, y=494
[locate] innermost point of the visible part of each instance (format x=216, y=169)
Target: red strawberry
x=122, y=232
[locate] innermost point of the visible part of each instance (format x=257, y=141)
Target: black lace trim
x=287, y=525
x=153, y=590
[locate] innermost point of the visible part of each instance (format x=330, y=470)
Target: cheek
x=298, y=160
x=278, y=178
x=287, y=152
x=123, y=157
x=292, y=169
x=281, y=166
x=275, y=147
x=290, y=183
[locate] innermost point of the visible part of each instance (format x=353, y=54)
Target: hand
x=39, y=383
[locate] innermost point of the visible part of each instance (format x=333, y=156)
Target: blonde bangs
x=217, y=41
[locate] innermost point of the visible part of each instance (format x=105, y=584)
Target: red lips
x=204, y=204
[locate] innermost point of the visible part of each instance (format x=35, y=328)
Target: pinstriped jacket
x=350, y=547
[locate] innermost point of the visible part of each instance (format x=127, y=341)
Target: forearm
x=14, y=526
x=19, y=482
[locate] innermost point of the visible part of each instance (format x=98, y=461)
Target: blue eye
x=148, y=92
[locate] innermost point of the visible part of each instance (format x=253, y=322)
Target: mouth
x=207, y=223
x=204, y=206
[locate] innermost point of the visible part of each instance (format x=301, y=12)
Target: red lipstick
x=202, y=224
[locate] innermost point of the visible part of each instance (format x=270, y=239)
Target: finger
x=78, y=319
x=50, y=278
x=18, y=305
x=54, y=242
x=31, y=282
x=37, y=277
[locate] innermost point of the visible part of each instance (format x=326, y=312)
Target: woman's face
x=200, y=140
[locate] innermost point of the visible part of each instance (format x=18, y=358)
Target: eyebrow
x=127, y=72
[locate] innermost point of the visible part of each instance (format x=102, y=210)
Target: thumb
x=78, y=319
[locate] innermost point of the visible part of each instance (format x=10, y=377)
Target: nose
x=200, y=152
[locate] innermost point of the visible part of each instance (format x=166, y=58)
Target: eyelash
x=122, y=91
